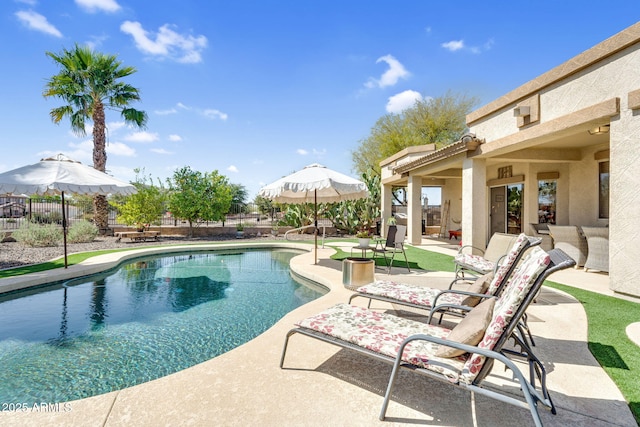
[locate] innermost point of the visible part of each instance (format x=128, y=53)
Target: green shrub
x=35, y=235
x=54, y=217
x=82, y=232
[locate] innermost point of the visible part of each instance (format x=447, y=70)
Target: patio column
x=475, y=212
x=624, y=209
x=414, y=210
x=386, y=196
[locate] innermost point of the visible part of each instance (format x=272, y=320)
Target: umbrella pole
x=315, y=232
x=64, y=231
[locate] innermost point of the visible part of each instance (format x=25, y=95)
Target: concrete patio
x=323, y=385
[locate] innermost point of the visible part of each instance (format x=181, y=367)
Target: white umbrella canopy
x=60, y=175
x=315, y=184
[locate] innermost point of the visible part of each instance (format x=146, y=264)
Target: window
x=547, y=201
x=514, y=208
x=603, y=193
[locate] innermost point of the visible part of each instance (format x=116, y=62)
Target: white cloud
x=184, y=107
x=453, y=45
x=92, y=6
x=166, y=112
x=120, y=149
x=167, y=43
x=142, y=136
x=456, y=45
x=390, y=77
x=319, y=152
x=95, y=42
x=232, y=168
x=115, y=126
x=35, y=21
x=161, y=151
x=83, y=151
x=403, y=100
x=302, y=151
x=175, y=138
x=214, y=114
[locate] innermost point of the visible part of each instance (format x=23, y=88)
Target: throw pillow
x=470, y=330
x=480, y=286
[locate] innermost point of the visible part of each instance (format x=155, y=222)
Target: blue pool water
x=144, y=320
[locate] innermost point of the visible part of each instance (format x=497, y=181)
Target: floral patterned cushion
x=474, y=262
x=383, y=333
x=519, y=284
x=401, y=292
x=507, y=263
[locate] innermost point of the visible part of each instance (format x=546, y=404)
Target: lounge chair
x=598, y=244
x=394, y=244
x=422, y=297
x=477, y=261
x=570, y=239
x=461, y=357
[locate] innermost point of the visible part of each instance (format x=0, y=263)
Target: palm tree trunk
x=101, y=206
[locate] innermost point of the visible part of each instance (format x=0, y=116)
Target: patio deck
x=324, y=385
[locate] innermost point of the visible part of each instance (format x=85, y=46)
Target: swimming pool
x=148, y=318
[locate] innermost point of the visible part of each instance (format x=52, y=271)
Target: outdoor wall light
x=521, y=111
x=599, y=130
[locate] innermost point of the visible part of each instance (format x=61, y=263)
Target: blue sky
x=257, y=90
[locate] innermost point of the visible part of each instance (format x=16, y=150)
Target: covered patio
x=559, y=149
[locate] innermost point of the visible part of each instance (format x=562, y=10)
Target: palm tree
x=88, y=83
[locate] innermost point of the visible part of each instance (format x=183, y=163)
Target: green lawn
x=607, y=316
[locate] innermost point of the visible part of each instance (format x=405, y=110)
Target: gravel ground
x=14, y=254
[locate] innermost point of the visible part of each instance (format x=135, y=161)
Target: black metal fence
x=14, y=211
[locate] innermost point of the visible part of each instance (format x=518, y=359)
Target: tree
x=88, y=82
x=144, y=207
x=435, y=120
x=239, y=194
x=195, y=196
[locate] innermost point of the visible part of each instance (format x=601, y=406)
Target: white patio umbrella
x=318, y=184
x=60, y=175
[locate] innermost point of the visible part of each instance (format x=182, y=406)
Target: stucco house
x=563, y=148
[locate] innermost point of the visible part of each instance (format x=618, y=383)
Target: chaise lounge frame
x=508, y=266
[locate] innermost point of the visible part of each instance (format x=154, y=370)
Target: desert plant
x=82, y=232
x=54, y=217
x=36, y=235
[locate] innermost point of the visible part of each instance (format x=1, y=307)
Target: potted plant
x=274, y=229
x=364, y=238
x=239, y=230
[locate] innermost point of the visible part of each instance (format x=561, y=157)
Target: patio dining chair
x=394, y=244
x=461, y=357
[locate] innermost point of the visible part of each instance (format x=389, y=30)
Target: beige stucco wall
x=612, y=77
x=624, y=234
x=616, y=77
